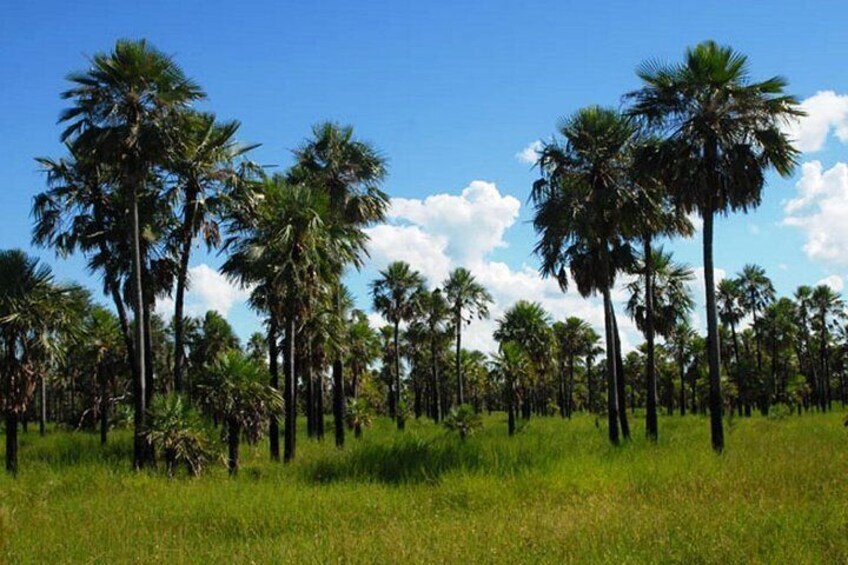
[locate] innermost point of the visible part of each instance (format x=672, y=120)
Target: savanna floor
x=554, y=493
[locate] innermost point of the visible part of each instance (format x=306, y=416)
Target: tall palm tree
x=654, y=215
x=671, y=303
x=32, y=306
x=350, y=171
x=580, y=203
x=680, y=343
x=730, y=313
x=572, y=339
x=512, y=365
x=119, y=113
x=286, y=242
x=396, y=294
x=827, y=308
x=201, y=155
x=467, y=299
x=436, y=313
x=722, y=132
x=528, y=324
x=756, y=294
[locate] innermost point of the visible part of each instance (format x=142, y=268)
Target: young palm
x=512, y=365
x=396, y=294
x=435, y=314
x=722, y=133
x=730, y=313
x=756, y=294
x=828, y=309
x=467, y=299
x=580, y=216
x=236, y=388
x=121, y=106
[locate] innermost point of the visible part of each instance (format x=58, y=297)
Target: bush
x=178, y=433
x=358, y=416
x=464, y=421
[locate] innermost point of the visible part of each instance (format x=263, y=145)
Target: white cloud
x=697, y=221
x=820, y=211
x=444, y=231
x=207, y=290
x=826, y=111
x=833, y=281
x=530, y=154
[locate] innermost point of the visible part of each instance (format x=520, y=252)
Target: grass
x=554, y=493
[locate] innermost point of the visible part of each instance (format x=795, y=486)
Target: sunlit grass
x=556, y=492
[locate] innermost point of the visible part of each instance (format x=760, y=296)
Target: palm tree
x=528, y=325
x=363, y=348
x=435, y=312
x=730, y=313
x=350, y=172
x=32, y=306
x=201, y=155
x=286, y=242
x=236, y=389
x=756, y=292
x=679, y=342
x=467, y=299
x=827, y=307
x=580, y=203
x=512, y=365
x=722, y=132
x=121, y=106
x=572, y=338
x=669, y=302
x=396, y=294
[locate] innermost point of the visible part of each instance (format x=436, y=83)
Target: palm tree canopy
x=397, y=291
x=722, y=130
x=466, y=295
x=672, y=298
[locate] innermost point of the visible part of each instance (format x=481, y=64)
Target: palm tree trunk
x=233, y=433
x=11, y=441
x=612, y=388
x=140, y=420
x=288, y=389
x=274, y=369
x=434, y=360
x=42, y=424
x=650, y=365
x=179, y=295
x=561, y=392
x=569, y=390
x=510, y=401
x=459, y=389
x=103, y=408
x=398, y=408
x=338, y=389
x=619, y=378
x=713, y=345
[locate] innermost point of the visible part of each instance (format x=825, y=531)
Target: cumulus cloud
x=445, y=231
x=207, y=290
x=826, y=111
x=820, y=211
x=833, y=281
x=530, y=153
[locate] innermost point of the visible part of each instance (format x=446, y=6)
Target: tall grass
x=556, y=492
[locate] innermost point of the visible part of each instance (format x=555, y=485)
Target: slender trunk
x=510, y=401
x=11, y=441
x=274, y=369
x=398, y=409
x=650, y=366
x=713, y=345
x=189, y=218
x=104, y=403
x=437, y=415
x=619, y=378
x=682, y=387
x=460, y=398
x=288, y=389
x=233, y=433
x=42, y=424
x=561, y=392
x=338, y=389
x=612, y=388
x=590, y=384
x=569, y=391
x=140, y=420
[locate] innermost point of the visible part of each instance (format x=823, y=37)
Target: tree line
x=147, y=178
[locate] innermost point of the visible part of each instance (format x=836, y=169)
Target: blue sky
x=450, y=93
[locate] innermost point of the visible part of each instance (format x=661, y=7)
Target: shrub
x=464, y=421
x=178, y=433
x=358, y=416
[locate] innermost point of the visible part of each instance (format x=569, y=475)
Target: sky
x=455, y=95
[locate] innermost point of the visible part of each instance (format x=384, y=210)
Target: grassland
x=555, y=493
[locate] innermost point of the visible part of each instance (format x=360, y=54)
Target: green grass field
x=556, y=492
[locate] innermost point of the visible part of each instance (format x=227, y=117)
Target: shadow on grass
x=413, y=459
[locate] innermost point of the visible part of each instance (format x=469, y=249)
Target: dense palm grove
x=147, y=177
